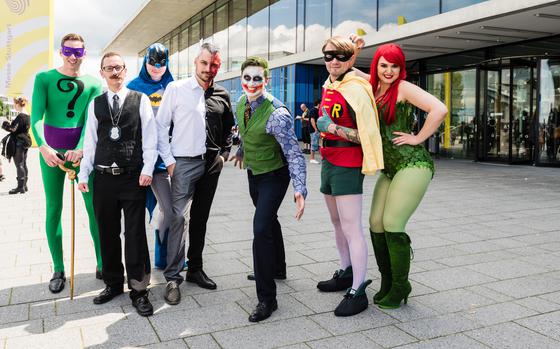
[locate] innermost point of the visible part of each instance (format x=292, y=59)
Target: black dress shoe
x=263, y=311
x=98, y=274
x=278, y=276
x=107, y=294
x=57, y=282
x=201, y=279
x=143, y=305
x=341, y=280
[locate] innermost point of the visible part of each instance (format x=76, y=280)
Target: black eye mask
x=339, y=55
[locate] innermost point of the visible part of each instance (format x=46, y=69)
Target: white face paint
x=253, y=81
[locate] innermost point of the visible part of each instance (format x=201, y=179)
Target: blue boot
x=161, y=250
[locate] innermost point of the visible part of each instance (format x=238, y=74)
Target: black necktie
x=247, y=115
x=115, y=105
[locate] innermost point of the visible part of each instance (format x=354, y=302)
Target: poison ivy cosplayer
x=270, y=152
x=351, y=147
x=408, y=169
x=152, y=80
x=58, y=117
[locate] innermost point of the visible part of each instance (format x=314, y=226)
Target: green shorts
x=337, y=180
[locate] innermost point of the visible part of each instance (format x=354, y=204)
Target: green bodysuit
x=397, y=157
x=405, y=179
x=58, y=118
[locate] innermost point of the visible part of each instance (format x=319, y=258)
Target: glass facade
x=548, y=125
x=277, y=28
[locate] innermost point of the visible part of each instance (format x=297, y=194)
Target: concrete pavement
x=486, y=273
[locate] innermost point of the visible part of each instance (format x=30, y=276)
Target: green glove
x=324, y=121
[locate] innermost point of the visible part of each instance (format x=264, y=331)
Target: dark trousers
x=204, y=192
x=20, y=160
x=267, y=192
x=113, y=194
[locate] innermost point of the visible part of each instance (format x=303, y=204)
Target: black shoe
x=2, y=177
x=98, y=274
x=143, y=305
x=107, y=294
x=57, y=282
x=278, y=276
x=341, y=280
x=354, y=302
x=172, y=293
x=201, y=279
x=263, y=311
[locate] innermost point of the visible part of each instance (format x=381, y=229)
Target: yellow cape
x=357, y=92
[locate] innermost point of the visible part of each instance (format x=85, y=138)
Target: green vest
x=262, y=153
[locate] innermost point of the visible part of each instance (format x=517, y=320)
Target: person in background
x=19, y=129
x=316, y=134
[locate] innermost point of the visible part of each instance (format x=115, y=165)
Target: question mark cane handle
x=71, y=173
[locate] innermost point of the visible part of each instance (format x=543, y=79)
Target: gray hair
x=207, y=46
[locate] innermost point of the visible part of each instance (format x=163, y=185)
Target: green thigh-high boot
x=399, y=253
x=381, y=252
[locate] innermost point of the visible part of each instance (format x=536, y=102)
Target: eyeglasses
x=78, y=52
x=110, y=68
x=339, y=55
x=256, y=78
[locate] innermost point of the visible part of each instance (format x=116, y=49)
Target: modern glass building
x=496, y=64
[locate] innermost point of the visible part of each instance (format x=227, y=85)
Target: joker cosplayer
x=58, y=116
x=271, y=154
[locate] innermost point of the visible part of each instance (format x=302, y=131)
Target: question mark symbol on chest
x=71, y=84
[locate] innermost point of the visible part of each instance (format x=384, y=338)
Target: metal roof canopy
x=154, y=20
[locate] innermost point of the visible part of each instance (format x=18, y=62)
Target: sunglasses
x=256, y=78
x=340, y=56
x=158, y=63
x=78, y=52
x=110, y=68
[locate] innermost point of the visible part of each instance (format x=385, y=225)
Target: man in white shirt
x=120, y=145
x=184, y=104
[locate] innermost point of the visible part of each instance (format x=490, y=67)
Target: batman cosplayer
x=152, y=80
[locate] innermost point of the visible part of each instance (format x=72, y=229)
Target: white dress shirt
x=183, y=103
x=149, y=135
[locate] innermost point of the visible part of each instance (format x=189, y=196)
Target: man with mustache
x=58, y=117
x=202, y=121
x=121, y=147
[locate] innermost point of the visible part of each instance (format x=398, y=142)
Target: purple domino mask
x=78, y=52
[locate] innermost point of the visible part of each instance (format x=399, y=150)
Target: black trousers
x=203, y=197
x=20, y=160
x=111, y=194
x=267, y=192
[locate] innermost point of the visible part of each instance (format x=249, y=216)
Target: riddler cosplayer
x=58, y=117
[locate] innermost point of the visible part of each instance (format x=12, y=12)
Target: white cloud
x=98, y=21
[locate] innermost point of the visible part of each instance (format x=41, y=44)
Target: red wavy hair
x=395, y=55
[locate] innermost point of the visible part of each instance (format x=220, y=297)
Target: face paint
x=253, y=81
x=67, y=51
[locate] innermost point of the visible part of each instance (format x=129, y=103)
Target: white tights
x=346, y=217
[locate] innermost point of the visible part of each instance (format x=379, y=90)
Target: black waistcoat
x=127, y=151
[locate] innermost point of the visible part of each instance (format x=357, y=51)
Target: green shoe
x=399, y=253
x=354, y=302
x=381, y=252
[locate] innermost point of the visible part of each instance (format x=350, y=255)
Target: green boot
x=399, y=253
x=383, y=263
x=354, y=301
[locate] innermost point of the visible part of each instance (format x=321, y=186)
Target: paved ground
x=486, y=273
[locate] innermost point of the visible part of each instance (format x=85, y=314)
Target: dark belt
x=115, y=171
x=197, y=157
x=330, y=143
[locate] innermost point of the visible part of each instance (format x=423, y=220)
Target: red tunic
x=338, y=110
